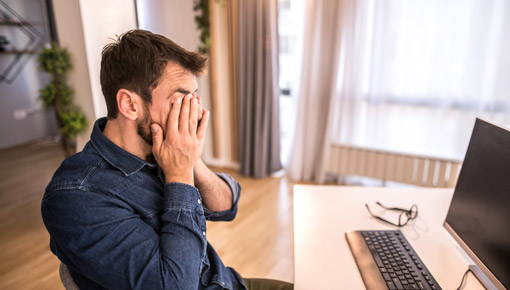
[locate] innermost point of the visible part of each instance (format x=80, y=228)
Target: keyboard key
x=391, y=286
x=376, y=257
x=397, y=283
x=420, y=285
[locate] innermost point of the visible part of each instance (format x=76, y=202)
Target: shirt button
x=223, y=283
x=203, y=233
x=199, y=201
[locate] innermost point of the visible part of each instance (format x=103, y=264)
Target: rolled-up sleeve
x=231, y=213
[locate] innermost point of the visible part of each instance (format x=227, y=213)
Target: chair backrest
x=392, y=166
x=65, y=277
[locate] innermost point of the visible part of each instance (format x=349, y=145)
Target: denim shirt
x=116, y=224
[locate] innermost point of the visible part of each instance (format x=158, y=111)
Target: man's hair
x=137, y=60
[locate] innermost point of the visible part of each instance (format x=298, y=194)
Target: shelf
x=14, y=52
x=15, y=59
x=18, y=23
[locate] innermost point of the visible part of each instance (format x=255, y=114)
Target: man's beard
x=144, y=126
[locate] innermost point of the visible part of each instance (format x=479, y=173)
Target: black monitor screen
x=480, y=209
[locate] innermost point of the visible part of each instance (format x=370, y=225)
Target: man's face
x=176, y=82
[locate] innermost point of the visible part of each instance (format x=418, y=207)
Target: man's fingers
x=193, y=117
x=157, y=138
x=203, y=125
x=200, y=108
x=172, y=124
x=184, y=117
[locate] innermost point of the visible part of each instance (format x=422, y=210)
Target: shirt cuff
x=182, y=195
x=233, y=184
x=229, y=214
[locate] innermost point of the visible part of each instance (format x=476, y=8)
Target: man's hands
x=177, y=150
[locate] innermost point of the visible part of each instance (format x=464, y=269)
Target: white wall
x=102, y=21
x=84, y=27
x=174, y=19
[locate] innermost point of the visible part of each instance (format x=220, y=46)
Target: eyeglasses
x=403, y=218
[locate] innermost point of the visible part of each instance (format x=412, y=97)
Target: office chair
x=65, y=277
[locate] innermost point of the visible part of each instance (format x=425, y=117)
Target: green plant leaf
x=73, y=122
x=66, y=95
x=55, y=60
x=201, y=7
x=47, y=95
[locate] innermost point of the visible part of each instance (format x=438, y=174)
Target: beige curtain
x=258, y=91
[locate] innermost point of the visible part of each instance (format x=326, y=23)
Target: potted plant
x=56, y=61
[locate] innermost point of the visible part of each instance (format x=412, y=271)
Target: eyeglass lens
x=403, y=218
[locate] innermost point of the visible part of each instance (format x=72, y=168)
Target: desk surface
x=322, y=215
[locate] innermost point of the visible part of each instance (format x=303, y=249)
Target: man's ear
x=129, y=104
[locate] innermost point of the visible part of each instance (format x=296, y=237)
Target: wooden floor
x=258, y=243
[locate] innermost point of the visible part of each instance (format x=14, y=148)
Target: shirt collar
x=113, y=154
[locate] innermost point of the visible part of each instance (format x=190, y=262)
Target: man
x=129, y=211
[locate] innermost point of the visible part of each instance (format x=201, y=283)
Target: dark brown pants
x=267, y=284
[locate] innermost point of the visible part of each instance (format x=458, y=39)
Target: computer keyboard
x=386, y=260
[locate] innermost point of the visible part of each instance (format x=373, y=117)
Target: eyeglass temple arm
x=393, y=208
x=369, y=211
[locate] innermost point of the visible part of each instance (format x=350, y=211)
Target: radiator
x=391, y=166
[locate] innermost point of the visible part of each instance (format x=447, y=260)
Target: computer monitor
x=479, y=213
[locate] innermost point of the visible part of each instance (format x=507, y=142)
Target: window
x=290, y=30
x=428, y=68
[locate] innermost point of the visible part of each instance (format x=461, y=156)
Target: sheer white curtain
x=430, y=52
x=411, y=77
x=322, y=39
x=421, y=72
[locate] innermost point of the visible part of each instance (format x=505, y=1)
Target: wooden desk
x=322, y=215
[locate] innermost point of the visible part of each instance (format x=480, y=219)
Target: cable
x=464, y=278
